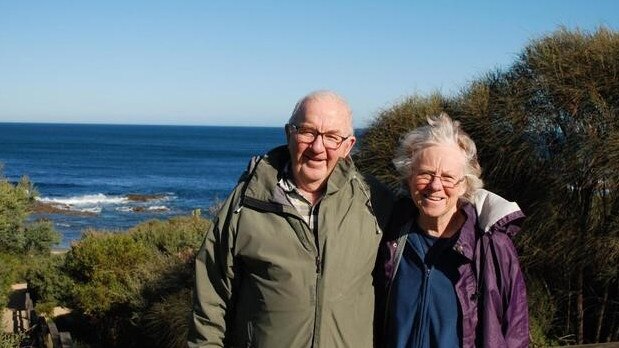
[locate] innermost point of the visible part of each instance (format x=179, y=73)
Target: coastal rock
x=58, y=208
x=150, y=210
x=135, y=197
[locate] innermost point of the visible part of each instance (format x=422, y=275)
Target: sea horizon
x=135, y=124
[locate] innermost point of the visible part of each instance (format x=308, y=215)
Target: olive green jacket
x=264, y=279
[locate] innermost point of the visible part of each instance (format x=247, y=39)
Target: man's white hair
x=299, y=109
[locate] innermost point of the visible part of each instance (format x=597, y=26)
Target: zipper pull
x=318, y=264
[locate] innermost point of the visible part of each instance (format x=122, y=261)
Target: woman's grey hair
x=441, y=130
x=299, y=109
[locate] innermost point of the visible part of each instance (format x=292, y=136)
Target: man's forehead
x=325, y=112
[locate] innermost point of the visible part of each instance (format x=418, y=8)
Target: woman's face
x=437, y=181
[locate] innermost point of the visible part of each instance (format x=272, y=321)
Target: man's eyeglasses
x=306, y=135
x=448, y=182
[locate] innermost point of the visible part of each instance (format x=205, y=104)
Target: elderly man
x=288, y=260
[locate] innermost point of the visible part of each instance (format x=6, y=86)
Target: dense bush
x=9, y=271
x=172, y=236
x=10, y=340
x=131, y=288
x=47, y=281
x=108, y=270
x=16, y=234
x=166, y=321
x=18, y=237
x=39, y=237
x=15, y=201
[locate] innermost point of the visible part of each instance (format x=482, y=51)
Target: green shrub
x=541, y=312
x=10, y=340
x=39, y=237
x=47, y=281
x=16, y=235
x=9, y=271
x=166, y=322
x=173, y=236
x=108, y=270
x=15, y=201
x=123, y=279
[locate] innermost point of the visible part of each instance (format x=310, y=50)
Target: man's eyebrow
x=333, y=131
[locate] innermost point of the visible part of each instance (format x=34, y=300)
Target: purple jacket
x=491, y=289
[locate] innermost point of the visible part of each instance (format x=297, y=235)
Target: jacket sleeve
x=503, y=219
x=213, y=288
x=515, y=323
x=504, y=311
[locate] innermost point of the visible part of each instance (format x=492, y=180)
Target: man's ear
x=348, y=144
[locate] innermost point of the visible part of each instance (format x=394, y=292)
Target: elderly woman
x=452, y=273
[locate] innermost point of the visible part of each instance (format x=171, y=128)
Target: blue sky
x=213, y=62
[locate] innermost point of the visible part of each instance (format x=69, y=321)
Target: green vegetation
x=16, y=235
x=128, y=288
x=8, y=340
x=547, y=133
x=20, y=239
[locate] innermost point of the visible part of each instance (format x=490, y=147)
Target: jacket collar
x=497, y=213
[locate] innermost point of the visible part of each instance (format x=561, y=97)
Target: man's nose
x=318, y=145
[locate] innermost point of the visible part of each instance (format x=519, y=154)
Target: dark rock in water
x=158, y=210
x=150, y=210
x=58, y=208
x=143, y=198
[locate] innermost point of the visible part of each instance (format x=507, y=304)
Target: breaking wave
x=85, y=200
x=96, y=203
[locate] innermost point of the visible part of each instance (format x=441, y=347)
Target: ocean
x=115, y=176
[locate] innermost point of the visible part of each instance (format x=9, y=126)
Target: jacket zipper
x=423, y=307
x=317, y=294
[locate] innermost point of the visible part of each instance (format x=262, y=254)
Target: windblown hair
x=299, y=108
x=441, y=130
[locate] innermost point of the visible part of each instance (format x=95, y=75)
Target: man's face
x=312, y=163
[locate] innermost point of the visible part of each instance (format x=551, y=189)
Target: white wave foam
x=95, y=210
x=158, y=207
x=96, y=203
x=85, y=200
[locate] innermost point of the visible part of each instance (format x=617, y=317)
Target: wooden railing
x=42, y=332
